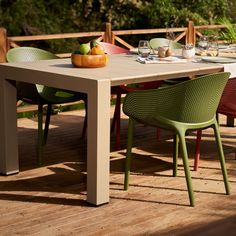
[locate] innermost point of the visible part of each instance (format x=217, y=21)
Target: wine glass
x=170, y=35
x=144, y=49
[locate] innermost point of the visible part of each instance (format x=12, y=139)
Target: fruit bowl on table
x=89, y=61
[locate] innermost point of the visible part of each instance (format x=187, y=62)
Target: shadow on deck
x=50, y=200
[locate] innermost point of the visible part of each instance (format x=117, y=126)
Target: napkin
x=157, y=60
x=231, y=67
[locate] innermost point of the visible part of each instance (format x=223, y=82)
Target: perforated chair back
x=24, y=54
x=26, y=91
x=192, y=101
x=227, y=104
x=112, y=49
x=163, y=42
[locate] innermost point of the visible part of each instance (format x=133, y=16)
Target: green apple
x=84, y=48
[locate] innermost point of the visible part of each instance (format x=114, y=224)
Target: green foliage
x=231, y=13
x=34, y=17
x=207, y=10
x=230, y=33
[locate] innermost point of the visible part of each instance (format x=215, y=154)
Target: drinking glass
x=213, y=47
x=203, y=44
x=144, y=49
x=170, y=35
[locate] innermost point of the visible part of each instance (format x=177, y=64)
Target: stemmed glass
x=144, y=49
x=170, y=35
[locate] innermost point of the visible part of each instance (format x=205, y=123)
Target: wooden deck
x=50, y=200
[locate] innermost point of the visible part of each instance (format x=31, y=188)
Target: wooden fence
x=186, y=34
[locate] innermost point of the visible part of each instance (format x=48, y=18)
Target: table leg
x=230, y=121
x=98, y=154
x=8, y=128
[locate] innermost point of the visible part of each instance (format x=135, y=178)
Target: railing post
x=3, y=44
x=190, y=35
x=108, y=35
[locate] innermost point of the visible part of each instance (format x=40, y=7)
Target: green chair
x=190, y=105
x=39, y=94
x=163, y=42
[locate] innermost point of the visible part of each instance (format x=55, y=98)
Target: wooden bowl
x=89, y=61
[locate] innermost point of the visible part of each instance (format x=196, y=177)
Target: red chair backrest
x=112, y=49
x=227, y=105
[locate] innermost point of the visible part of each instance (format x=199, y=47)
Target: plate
x=223, y=46
x=220, y=59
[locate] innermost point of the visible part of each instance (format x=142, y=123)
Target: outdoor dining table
x=96, y=82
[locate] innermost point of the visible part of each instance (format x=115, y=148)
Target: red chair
x=112, y=48
x=123, y=89
x=227, y=106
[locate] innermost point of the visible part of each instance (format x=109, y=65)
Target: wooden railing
x=187, y=34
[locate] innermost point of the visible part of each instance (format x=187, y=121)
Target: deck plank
x=51, y=200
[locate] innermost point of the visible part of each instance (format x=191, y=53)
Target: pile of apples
x=92, y=48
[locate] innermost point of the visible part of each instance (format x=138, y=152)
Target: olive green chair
x=163, y=42
x=189, y=105
x=39, y=94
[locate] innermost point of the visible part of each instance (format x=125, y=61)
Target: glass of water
x=203, y=44
x=213, y=47
x=144, y=49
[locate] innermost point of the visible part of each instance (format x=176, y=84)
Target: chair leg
x=197, y=149
x=230, y=121
x=222, y=158
x=158, y=134
x=47, y=122
x=85, y=120
x=176, y=153
x=186, y=168
x=116, y=121
x=129, y=153
x=40, y=134
x=217, y=118
x=116, y=112
x=118, y=147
